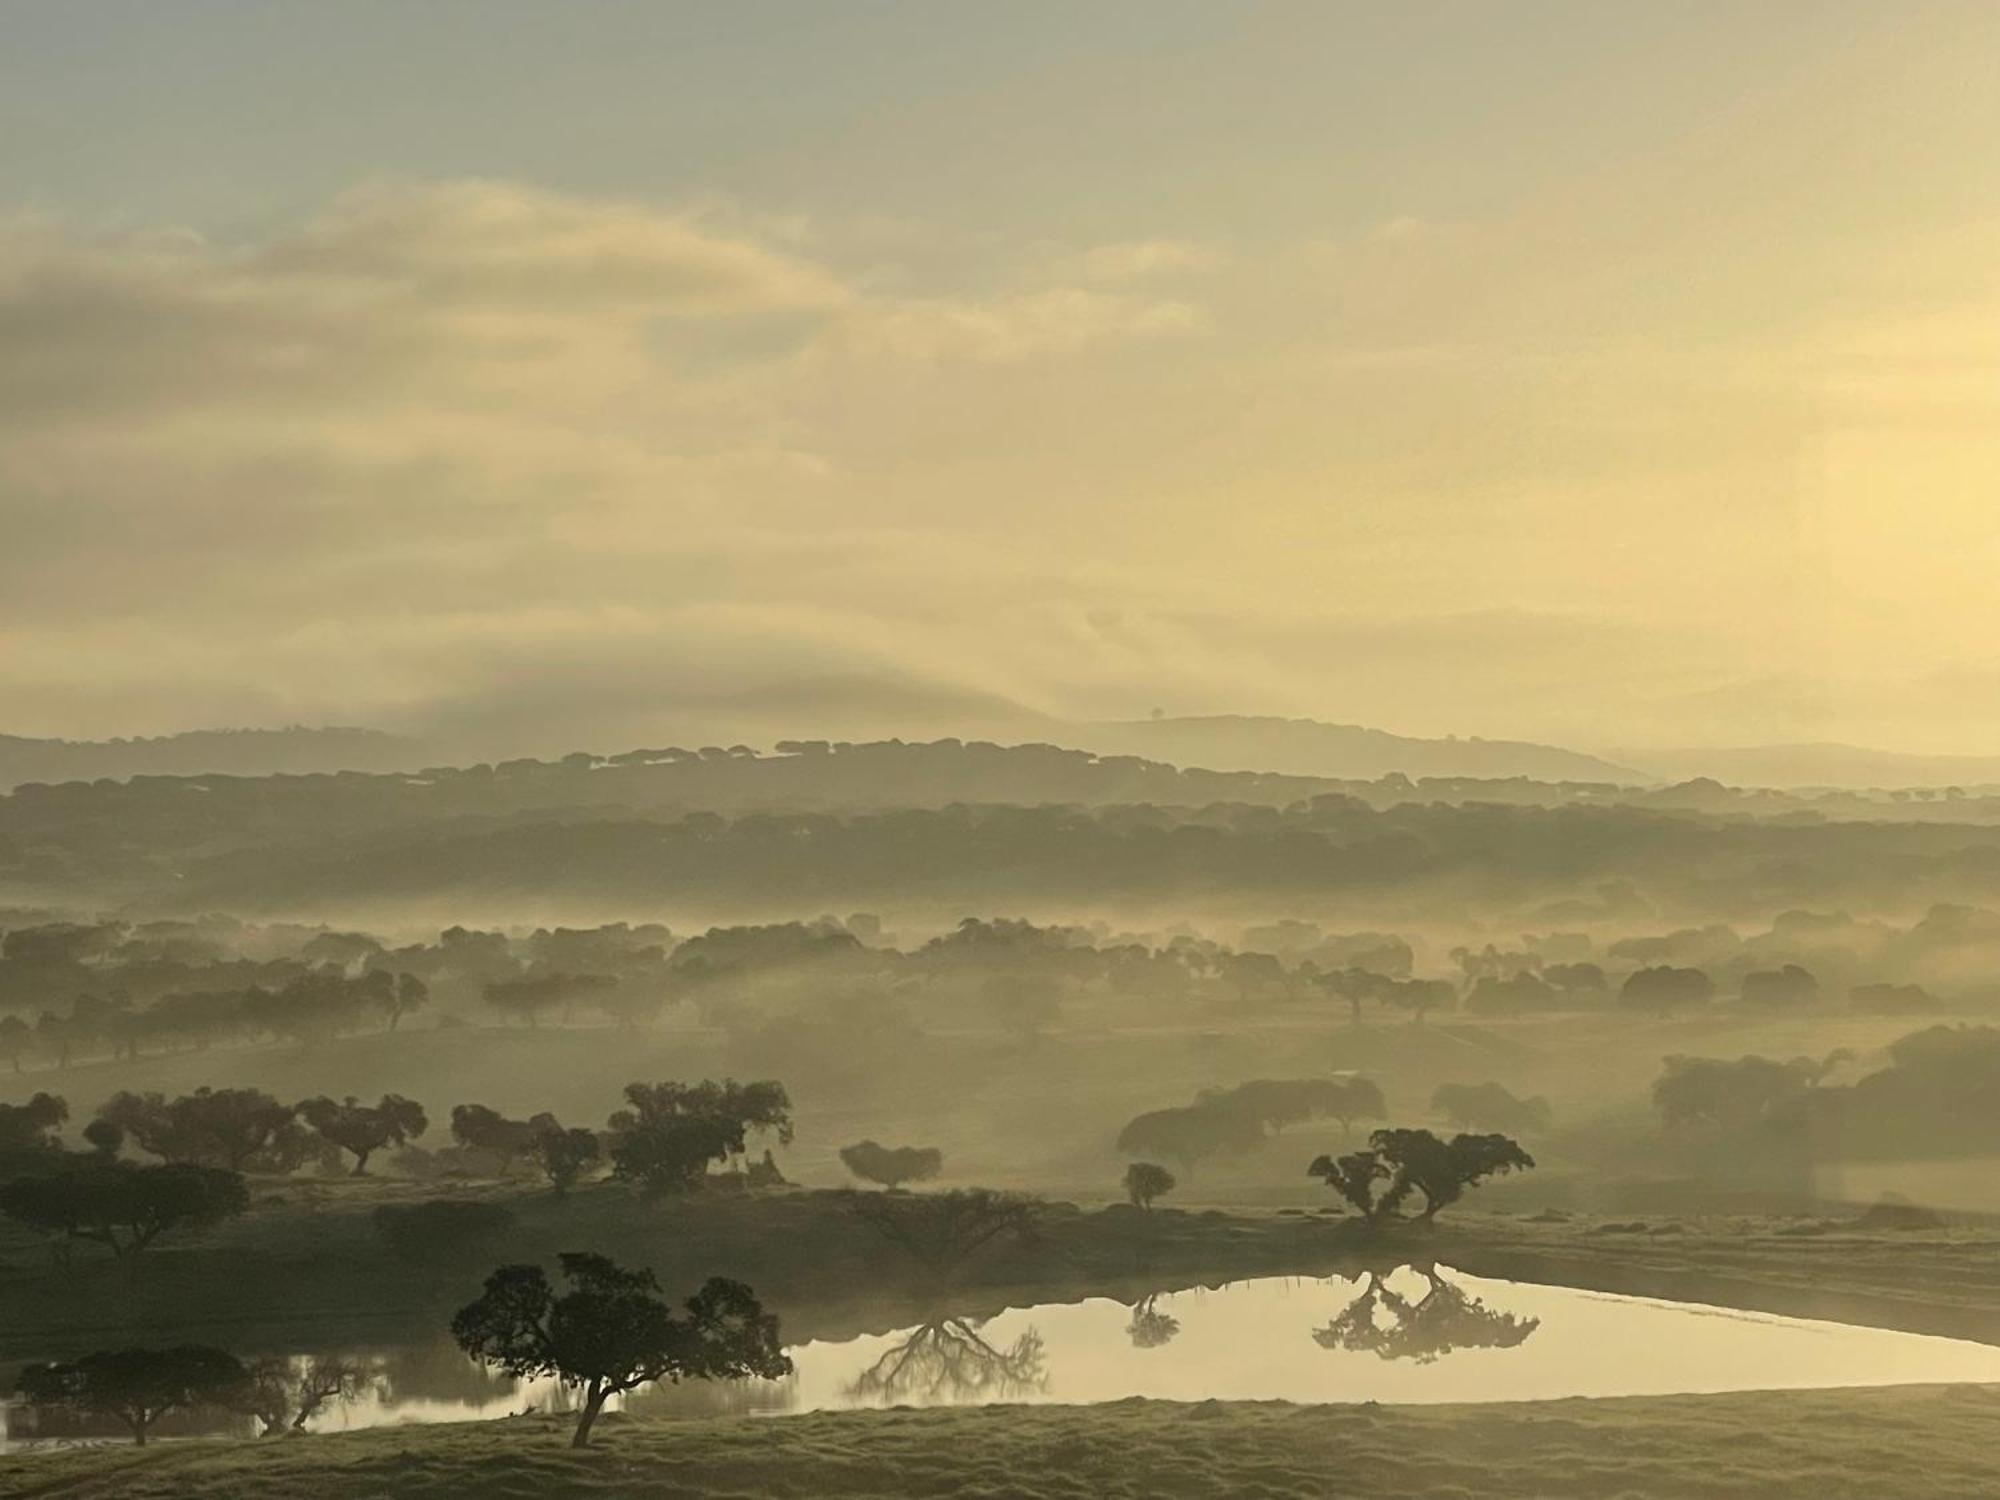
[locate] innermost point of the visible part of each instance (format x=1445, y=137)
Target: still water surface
x=1410, y=1336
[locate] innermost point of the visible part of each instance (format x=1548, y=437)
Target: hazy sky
x=1602, y=372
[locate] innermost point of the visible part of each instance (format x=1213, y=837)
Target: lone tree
x=1399, y=1162
x=138, y=1386
x=482, y=1129
x=612, y=1331
x=285, y=1394
x=29, y=1132
x=123, y=1207
x=1471, y=1106
x=673, y=1131
x=364, y=1129
x=564, y=1153
x=239, y=1130
x=1144, y=1182
x=892, y=1166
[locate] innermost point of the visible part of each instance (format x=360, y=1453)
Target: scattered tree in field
x=612, y=1331
x=123, y=1207
x=565, y=1153
x=1732, y=1095
x=531, y=998
x=30, y=1133
x=285, y=1394
x=17, y=1040
x=673, y=1131
x=363, y=1129
x=1399, y=1162
x=238, y=1130
x=105, y=1138
x=408, y=993
x=1355, y=1177
x=1145, y=1181
x=138, y=1386
x=892, y=1166
x=942, y=1232
x=1489, y=1106
x=442, y=1231
x=1229, y=1121
x=1664, y=988
x=481, y=1129
x=1787, y=988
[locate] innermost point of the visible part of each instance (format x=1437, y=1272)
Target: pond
x=1413, y=1335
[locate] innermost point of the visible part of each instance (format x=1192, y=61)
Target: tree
x=612, y=1331
x=238, y=1130
x=1443, y=1170
x=1470, y=1106
x=1354, y=1177
x=29, y=1132
x=1788, y=988
x=1663, y=988
x=944, y=1231
x=410, y=993
x=892, y=1167
x=673, y=1131
x=1399, y=1162
x=17, y=1039
x=285, y=1394
x=564, y=1155
x=1145, y=1181
x=364, y=1129
x=123, y=1207
x=138, y=1386
x=482, y=1129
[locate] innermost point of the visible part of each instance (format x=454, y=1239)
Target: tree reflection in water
x=1446, y=1317
x=1150, y=1328
x=946, y=1359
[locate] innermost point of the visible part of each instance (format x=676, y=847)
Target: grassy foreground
x=1921, y=1443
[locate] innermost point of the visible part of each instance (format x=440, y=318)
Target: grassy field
x=1920, y=1443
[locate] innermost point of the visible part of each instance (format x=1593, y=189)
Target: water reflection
x=1381, y=1335
x=946, y=1362
x=1384, y=1322
x=1150, y=1328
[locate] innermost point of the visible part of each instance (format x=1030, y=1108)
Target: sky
x=601, y=373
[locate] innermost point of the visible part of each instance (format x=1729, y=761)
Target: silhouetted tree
x=564, y=1154
x=29, y=1133
x=138, y=1386
x=612, y=1331
x=481, y=1129
x=1489, y=1105
x=239, y=1130
x=1786, y=988
x=120, y=1206
x=364, y=1129
x=1145, y=1181
x=1150, y=1328
x=892, y=1166
x=285, y=1394
x=1664, y=988
x=1400, y=1161
x=673, y=1131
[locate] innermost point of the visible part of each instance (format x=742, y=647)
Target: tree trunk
x=593, y=1403
x=361, y=1163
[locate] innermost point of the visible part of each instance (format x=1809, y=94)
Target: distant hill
x=230, y=752
x=1307, y=747
x=1818, y=765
